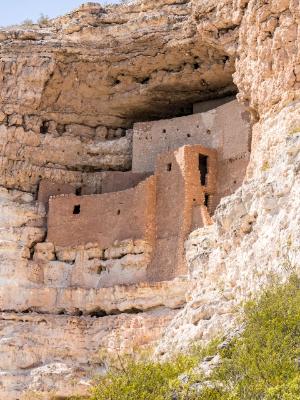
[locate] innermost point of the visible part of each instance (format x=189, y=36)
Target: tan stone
x=44, y=252
x=80, y=130
x=2, y=116
x=46, y=369
x=101, y=132
x=56, y=293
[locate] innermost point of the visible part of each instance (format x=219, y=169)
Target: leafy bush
x=261, y=364
x=143, y=380
x=264, y=362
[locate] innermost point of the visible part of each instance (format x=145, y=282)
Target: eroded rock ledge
x=38, y=351
x=113, y=66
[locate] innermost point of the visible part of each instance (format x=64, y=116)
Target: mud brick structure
x=208, y=105
x=48, y=188
x=185, y=182
x=103, y=219
x=160, y=210
x=104, y=182
x=181, y=169
x=115, y=181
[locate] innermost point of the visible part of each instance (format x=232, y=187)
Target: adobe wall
x=49, y=188
x=104, y=182
x=170, y=199
x=180, y=206
x=161, y=210
x=226, y=129
x=115, y=181
x=104, y=218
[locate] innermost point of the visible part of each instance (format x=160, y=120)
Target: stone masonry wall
x=160, y=211
x=180, y=205
x=107, y=182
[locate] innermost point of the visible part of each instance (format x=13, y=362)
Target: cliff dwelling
x=181, y=169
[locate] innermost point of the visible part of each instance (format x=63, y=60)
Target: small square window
x=76, y=209
x=169, y=167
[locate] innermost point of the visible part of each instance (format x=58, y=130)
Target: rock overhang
x=120, y=65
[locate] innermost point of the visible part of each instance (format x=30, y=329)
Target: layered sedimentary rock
x=255, y=237
x=256, y=232
x=38, y=352
x=111, y=66
x=69, y=94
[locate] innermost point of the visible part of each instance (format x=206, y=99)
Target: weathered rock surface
x=256, y=232
x=255, y=237
x=111, y=66
x=38, y=351
x=78, y=300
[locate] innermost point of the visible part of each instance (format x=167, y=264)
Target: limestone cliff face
x=69, y=94
x=256, y=230
x=255, y=236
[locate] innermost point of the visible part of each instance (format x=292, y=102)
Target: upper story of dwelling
x=225, y=128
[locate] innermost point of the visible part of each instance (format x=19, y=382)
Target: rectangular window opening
x=206, y=201
x=78, y=191
x=203, y=168
x=37, y=191
x=76, y=209
x=169, y=167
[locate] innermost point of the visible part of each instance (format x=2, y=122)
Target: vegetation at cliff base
x=262, y=363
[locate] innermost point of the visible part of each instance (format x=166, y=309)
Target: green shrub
x=261, y=364
x=143, y=380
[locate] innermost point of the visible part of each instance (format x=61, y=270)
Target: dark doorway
x=206, y=202
x=203, y=168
